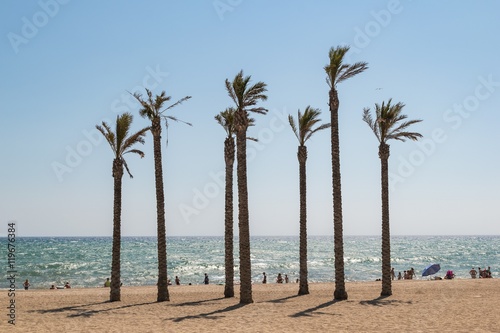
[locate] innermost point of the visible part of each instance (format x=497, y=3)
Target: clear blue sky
x=66, y=66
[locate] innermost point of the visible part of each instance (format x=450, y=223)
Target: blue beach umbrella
x=431, y=269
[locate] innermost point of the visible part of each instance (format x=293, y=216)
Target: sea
x=86, y=261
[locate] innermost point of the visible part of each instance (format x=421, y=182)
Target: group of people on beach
x=407, y=275
x=26, y=285
x=279, y=278
x=66, y=286
x=483, y=273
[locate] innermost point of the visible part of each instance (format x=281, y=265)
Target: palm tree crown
x=226, y=120
x=152, y=108
x=244, y=96
x=306, y=122
x=387, y=124
x=119, y=140
x=337, y=71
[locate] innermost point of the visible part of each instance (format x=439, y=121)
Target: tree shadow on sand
x=84, y=310
x=209, y=315
x=312, y=311
x=195, y=303
x=383, y=301
x=281, y=300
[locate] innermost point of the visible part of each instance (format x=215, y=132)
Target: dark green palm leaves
x=120, y=141
x=306, y=123
x=389, y=123
x=337, y=71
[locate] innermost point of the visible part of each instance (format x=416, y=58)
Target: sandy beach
x=417, y=305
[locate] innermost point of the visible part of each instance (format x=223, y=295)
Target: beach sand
x=415, y=306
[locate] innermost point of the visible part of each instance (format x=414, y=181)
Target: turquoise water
x=86, y=261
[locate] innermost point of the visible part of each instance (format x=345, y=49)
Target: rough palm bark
x=337, y=72
x=388, y=124
x=340, y=292
x=115, y=294
x=386, y=237
x=229, y=150
x=163, y=294
x=243, y=218
x=303, y=131
x=303, y=284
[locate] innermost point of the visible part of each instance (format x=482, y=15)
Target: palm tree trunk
x=228, y=234
x=160, y=211
x=386, y=237
x=117, y=208
x=303, y=285
x=243, y=218
x=340, y=292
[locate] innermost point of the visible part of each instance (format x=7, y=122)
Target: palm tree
x=389, y=124
x=121, y=143
x=246, y=97
x=305, y=130
x=226, y=120
x=337, y=72
x=152, y=108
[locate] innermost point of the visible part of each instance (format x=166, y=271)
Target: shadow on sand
x=312, y=311
x=195, y=303
x=209, y=315
x=281, y=300
x=383, y=301
x=85, y=311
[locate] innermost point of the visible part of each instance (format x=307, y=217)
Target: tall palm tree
x=226, y=120
x=153, y=109
x=388, y=124
x=121, y=143
x=246, y=97
x=336, y=72
x=303, y=132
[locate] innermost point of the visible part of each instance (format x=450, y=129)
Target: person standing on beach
x=26, y=284
x=473, y=273
x=206, y=279
x=107, y=283
x=286, y=279
x=279, y=279
x=178, y=281
x=264, y=279
x=393, y=275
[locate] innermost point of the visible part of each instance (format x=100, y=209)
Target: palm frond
x=291, y=121
x=367, y=118
x=135, y=151
x=352, y=70
x=126, y=167
x=108, y=135
x=176, y=103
